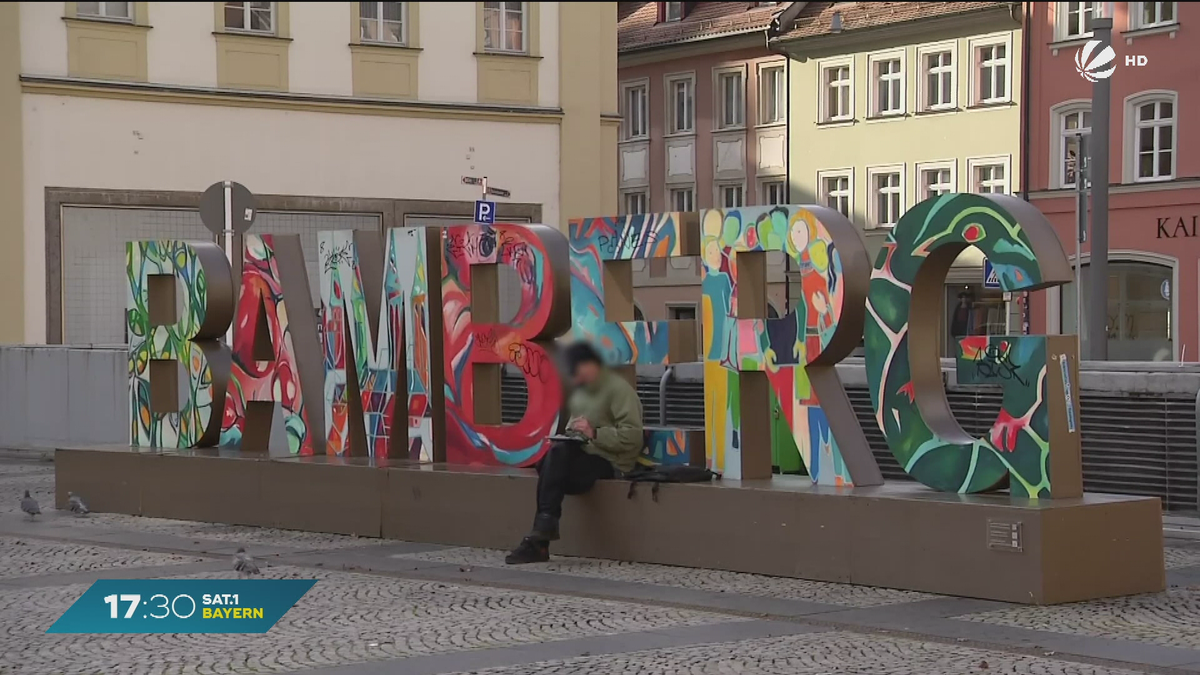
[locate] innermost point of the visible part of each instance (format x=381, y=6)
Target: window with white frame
x=1073, y=20
x=992, y=72
x=1151, y=14
x=382, y=22
x=1153, y=137
x=887, y=90
x=772, y=96
x=989, y=175
x=636, y=120
x=111, y=11
x=673, y=11
x=774, y=192
x=837, y=190
x=1073, y=124
x=504, y=27
x=683, y=199
x=681, y=98
x=837, y=86
x=249, y=17
x=731, y=102
x=636, y=202
x=938, y=78
x=887, y=195
x=934, y=179
x=731, y=195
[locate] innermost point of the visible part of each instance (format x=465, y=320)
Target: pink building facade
x=1154, y=171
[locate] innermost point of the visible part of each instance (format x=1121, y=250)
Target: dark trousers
x=567, y=470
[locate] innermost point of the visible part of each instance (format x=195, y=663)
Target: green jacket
x=611, y=406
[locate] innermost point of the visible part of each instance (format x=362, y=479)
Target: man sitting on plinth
x=603, y=440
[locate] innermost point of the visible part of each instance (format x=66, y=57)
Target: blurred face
x=585, y=373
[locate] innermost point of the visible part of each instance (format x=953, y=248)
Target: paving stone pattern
x=345, y=618
x=813, y=654
x=1170, y=619
x=21, y=557
x=680, y=577
x=1179, y=557
x=372, y=622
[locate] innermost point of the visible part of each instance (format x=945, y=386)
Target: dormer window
x=673, y=11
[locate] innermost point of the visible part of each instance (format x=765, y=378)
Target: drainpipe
x=1025, y=109
x=776, y=27
x=667, y=376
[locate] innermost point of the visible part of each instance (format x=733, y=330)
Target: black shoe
x=530, y=550
x=545, y=527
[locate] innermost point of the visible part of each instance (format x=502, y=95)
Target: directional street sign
x=472, y=180
x=485, y=212
x=497, y=192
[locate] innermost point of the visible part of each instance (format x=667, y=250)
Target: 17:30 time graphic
x=168, y=605
x=182, y=606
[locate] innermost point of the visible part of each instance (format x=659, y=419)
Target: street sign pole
x=1081, y=220
x=228, y=232
x=228, y=209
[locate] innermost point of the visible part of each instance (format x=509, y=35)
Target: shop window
x=1140, y=317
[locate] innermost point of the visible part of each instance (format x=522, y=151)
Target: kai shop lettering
x=410, y=364
x=1173, y=227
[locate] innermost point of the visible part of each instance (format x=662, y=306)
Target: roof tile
x=817, y=17
x=638, y=26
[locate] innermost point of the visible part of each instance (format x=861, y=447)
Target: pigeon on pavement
x=76, y=505
x=244, y=564
x=29, y=505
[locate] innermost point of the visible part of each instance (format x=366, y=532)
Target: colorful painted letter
x=796, y=352
x=276, y=359
x=477, y=344
x=157, y=336
x=602, y=304
x=1034, y=443
x=353, y=265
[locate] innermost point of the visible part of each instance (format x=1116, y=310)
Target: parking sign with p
x=485, y=212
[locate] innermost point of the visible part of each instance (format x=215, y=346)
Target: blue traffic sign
x=485, y=212
x=990, y=278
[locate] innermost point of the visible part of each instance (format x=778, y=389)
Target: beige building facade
x=893, y=103
x=114, y=117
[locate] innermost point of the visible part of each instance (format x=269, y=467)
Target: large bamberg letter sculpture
x=750, y=361
x=477, y=344
x=364, y=415
x=159, y=340
x=602, y=250
x=796, y=353
x=1034, y=444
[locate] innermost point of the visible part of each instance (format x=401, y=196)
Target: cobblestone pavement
x=1170, y=619
x=818, y=654
x=24, y=557
x=345, y=618
x=447, y=616
x=703, y=580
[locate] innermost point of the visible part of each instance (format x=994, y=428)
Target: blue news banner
x=182, y=606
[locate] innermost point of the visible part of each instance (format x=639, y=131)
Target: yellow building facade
x=890, y=108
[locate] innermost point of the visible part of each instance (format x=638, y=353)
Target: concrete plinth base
x=901, y=535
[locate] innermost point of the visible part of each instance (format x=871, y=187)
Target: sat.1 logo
x=1095, y=66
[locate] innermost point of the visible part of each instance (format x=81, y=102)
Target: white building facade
x=114, y=117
